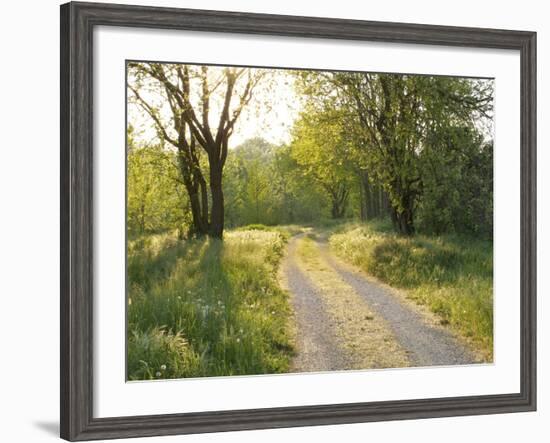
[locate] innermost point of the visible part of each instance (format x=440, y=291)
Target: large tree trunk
x=339, y=201
x=195, y=185
x=403, y=218
x=192, y=124
x=336, y=211
x=217, y=212
x=405, y=222
x=200, y=225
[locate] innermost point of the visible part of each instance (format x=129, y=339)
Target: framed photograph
x=272, y=221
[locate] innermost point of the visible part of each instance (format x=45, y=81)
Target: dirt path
x=345, y=320
x=318, y=348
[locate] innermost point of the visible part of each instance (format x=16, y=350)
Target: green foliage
x=397, y=125
x=180, y=101
x=457, y=183
x=324, y=155
x=264, y=185
x=156, y=201
x=367, y=145
x=452, y=274
x=249, y=175
x=205, y=307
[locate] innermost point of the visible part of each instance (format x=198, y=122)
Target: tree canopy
x=414, y=148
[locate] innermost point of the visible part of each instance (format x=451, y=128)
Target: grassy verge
x=206, y=307
x=452, y=275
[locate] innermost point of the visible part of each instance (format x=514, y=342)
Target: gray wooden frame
x=77, y=23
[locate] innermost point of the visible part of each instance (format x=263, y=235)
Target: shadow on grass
x=147, y=267
x=206, y=307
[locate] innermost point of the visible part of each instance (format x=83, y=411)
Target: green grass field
x=451, y=274
x=206, y=307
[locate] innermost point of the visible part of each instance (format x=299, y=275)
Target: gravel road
x=320, y=348
x=427, y=344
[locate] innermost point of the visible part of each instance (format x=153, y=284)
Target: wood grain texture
x=76, y=307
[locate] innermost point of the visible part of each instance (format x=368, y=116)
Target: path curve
x=427, y=344
x=320, y=348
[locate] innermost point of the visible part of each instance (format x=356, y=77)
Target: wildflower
x=158, y=374
x=163, y=367
x=238, y=340
x=272, y=312
x=241, y=331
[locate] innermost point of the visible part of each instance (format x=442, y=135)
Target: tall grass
x=452, y=275
x=206, y=307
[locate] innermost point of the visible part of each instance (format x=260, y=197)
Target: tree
x=457, y=171
x=319, y=146
x=300, y=198
x=156, y=201
x=249, y=183
x=393, y=115
x=204, y=105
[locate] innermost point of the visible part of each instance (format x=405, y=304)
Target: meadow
x=206, y=307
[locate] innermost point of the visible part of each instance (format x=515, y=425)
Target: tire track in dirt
x=335, y=328
x=318, y=349
x=427, y=344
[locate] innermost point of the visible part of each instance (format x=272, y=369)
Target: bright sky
x=272, y=122
x=270, y=114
